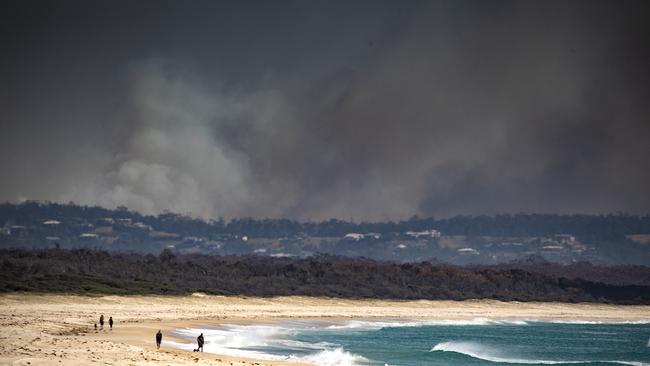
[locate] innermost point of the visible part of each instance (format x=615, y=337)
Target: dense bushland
x=90, y=271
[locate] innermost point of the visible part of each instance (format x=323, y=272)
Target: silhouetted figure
x=158, y=339
x=101, y=321
x=110, y=322
x=95, y=327
x=200, y=341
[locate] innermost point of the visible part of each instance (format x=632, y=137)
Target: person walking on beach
x=101, y=321
x=158, y=339
x=200, y=341
x=110, y=322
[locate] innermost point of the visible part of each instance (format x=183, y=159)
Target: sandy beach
x=58, y=329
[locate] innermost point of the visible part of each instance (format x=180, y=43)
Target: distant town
x=610, y=239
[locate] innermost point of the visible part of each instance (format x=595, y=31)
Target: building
x=470, y=251
x=426, y=233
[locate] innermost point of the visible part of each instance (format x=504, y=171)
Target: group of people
x=101, y=322
x=199, y=340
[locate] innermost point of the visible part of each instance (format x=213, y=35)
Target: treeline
x=88, y=271
x=588, y=227
x=619, y=275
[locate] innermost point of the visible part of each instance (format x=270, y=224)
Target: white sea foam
x=486, y=353
x=374, y=325
x=334, y=357
x=274, y=342
x=632, y=322
x=254, y=341
x=232, y=340
x=293, y=344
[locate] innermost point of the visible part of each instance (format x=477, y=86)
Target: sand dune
x=58, y=329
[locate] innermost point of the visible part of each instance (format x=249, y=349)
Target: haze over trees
x=78, y=249
x=606, y=239
x=602, y=227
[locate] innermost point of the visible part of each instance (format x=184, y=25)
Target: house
x=471, y=251
x=358, y=236
x=192, y=240
x=426, y=233
x=552, y=247
x=141, y=225
x=353, y=236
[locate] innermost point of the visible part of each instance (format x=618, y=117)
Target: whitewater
x=479, y=341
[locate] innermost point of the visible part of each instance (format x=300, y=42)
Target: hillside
x=609, y=239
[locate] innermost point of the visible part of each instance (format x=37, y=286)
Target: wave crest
x=486, y=353
x=375, y=325
x=334, y=357
x=482, y=352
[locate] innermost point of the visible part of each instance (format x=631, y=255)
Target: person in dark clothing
x=101, y=321
x=110, y=322
x=200, y=341
x=158, y=339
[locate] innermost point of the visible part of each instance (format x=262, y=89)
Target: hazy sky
x=368, y=110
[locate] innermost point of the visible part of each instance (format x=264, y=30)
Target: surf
x=376, y=325
x=487, y=353
x=255, y=341
x=334, y=357
x=423, y=342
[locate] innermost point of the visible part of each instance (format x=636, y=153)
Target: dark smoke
x=369, y=110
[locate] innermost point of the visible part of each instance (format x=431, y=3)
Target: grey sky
x=368, y=110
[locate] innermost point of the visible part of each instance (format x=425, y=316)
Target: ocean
x=472, y=342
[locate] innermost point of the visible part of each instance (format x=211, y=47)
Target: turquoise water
x=449, y=343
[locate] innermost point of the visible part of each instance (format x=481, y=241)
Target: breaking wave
x=334, y=357
x=485, y=353
x=376, y=325
x=255, y=341
x=630, y=322
x=278, y=341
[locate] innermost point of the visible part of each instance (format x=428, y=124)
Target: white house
x=354, y=236
x=141, y=225
x=471, y=251
x=426, y=233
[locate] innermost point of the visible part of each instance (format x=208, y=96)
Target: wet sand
x=58, y=329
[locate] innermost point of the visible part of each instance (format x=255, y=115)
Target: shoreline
x=45, y=329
